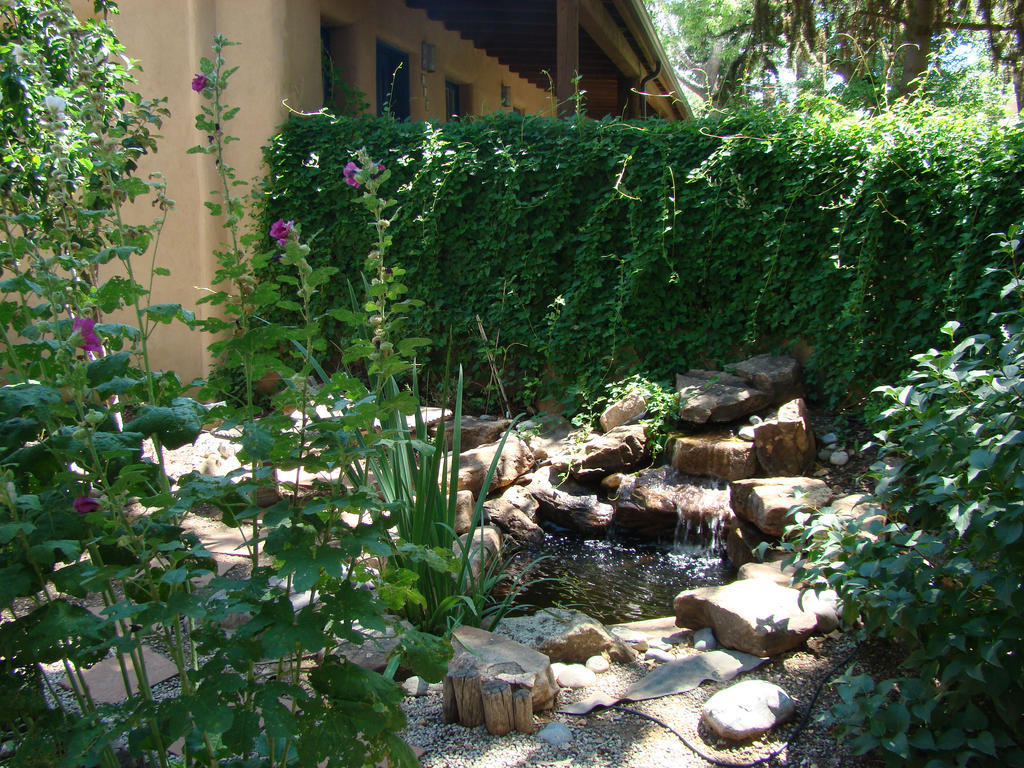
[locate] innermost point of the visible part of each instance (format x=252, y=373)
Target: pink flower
x=281, y=230
x=199, y=83
x=83, y=505
x=350, y=172
x=84, y=327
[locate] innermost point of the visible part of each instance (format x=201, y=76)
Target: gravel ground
x=622, y=740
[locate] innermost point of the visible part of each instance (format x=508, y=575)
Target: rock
x=598, y=664
x=713, y=455
x=610, y=485
x=635, y=640
x=654, y=502
x=465, y=503
x=515, y=459
x=785, y=444
x=624, y=411
x=773, y=571
x=746, y=433
x=825, y=454
x=567, y=636
x=829, y=439
x=515, y=513
x=416, y=686
x=575, y=676
x=770, y=503
x=839, y=458
x=545, y=434
x=704, y=640
x=568, y=504
x=376, y=650
x=743, y=540
x=484, y=547
x=715, y=396
x=756, y=616
x=860, y=509
x=658, y=655
x=623, y=449
x=780, y=376
x=555, y=734
x=747, y=710
x=476, y=431
x=497, y=657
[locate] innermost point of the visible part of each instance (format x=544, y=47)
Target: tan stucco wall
x=279, y=69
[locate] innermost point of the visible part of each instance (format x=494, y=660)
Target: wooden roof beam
x=599, y=24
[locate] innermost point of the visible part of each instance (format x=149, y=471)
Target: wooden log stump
x=499, y=717
x=522, y=709
x=467, y=696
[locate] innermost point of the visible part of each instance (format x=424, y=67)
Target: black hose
x=792, y=737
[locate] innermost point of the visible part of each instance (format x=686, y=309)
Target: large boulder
x=716, y=396
x=757, y=616
x=516, y=458
x=770, y=502
x=656, y=502
x=747, y=710
x=570, y=637
x=500, y=658
x=515, y=513
x=476, y=431
x=623, y=411
x=780, y=376
x=623, y=449
x=713, y=455
x=546, y=434
x=569, y=504
x=785, y=444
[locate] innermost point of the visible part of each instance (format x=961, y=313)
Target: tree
x=722, y=45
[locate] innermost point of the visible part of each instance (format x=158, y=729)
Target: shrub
x=944, y=577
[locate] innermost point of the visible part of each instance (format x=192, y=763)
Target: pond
x=616, y=580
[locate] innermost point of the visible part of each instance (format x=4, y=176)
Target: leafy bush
x=944, y=576
x=593, y=250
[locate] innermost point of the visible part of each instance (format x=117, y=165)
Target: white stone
x=598, y=664
x=416, y=686
x=656, y=654
x=830, y=439
x=839, y=458
x=746, y=710
x=746, y=433
x=575, y=676
x=704, y=640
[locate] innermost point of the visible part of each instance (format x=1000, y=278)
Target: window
x=392, y=82
x=452, y=99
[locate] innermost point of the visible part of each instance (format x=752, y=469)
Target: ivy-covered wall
x=591, y=251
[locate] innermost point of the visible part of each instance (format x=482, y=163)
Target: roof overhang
x=619, y=56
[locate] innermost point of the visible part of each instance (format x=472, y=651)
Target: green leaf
x=175, y=425
x=105, y=368
x=165, y=313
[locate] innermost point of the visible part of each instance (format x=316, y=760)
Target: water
x=616, y=581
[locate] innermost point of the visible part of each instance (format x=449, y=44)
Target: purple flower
x=84, y=327
x=281, y=230
x=350, y=174
x=199, y=83
x=83, y=505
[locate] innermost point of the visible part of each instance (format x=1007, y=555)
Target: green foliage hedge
x=594, y=250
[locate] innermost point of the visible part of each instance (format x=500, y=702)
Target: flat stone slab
x=570, y=637
x=770, y=503
x=716, y=396
x=778, y=375
x=500, y=658
x=714, y=455
x=106, y=684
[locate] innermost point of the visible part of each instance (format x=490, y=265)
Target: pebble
x=755, y=420
x=632, y=638
x=830, y=439
x=598, y=664
x=747, y=709
x=657, y=654
x=825, y=454
x=747, y=433
x=704, y=640
x=839, y=458
x=555, y=734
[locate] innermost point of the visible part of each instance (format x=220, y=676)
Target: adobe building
x=430, y=60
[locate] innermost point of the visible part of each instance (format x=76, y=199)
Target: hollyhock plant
x=200, y=83
x=281, y=231
x=83, y=505
x=85, y=328
x=350, y=171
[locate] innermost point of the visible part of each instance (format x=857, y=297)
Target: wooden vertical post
x=567, y=62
